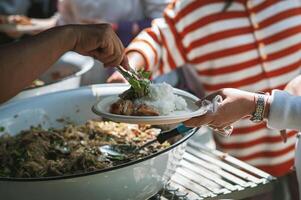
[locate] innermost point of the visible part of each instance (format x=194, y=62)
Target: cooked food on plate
x=71, y=150
x=147, y=99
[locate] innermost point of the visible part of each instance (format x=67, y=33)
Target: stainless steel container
x=135, y=180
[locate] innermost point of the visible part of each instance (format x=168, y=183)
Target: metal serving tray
x=206, y=173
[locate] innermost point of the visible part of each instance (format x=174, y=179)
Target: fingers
x=210, y=97
x=101, y=42
x=111, y=56
x=224, y=131
x=204, y=119
x=107, y=52
x=199, y=121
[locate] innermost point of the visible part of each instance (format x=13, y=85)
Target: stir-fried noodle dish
x=73, y=149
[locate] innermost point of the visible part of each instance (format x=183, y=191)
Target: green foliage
x=140, y=86
x=145, y=74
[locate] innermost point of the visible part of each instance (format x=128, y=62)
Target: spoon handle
x=179, y=130
x=127, y=74
x=164, y=136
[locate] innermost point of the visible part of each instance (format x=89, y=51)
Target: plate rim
x=130, y=119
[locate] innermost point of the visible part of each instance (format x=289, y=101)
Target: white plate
x=102, y=108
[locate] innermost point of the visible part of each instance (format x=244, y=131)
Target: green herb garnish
x=139, y=85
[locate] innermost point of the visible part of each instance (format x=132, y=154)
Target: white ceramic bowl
x=136, y=180
x=69, y=61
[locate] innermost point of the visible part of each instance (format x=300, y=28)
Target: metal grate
x=204, y=173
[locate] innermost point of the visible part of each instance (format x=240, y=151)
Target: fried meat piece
x=127, y=107
x=145, y=110
x=122, y=107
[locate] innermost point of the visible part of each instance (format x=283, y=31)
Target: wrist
x=250, y=104
x=261, y=101
x=62, y=37
x=267, y=107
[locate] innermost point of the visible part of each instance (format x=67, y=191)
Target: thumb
x=199, y=121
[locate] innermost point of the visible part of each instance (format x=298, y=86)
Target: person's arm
x=282, y=110
x=236, y=105
x=24, y=61
x=285, y=111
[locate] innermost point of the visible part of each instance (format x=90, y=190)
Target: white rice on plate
x=162, y=98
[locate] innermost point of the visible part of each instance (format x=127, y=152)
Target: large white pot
x=70, y=60
x=136, y=180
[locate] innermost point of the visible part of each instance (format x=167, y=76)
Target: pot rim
x=64, y=177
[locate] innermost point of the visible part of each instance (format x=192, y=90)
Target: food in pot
x=71, y=150
x=160, y=100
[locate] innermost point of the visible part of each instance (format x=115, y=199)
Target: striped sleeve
x=160, y=45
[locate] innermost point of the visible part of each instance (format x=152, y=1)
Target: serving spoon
x=128, y=74
x=122, y=152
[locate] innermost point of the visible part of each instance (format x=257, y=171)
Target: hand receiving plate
x=102, y=108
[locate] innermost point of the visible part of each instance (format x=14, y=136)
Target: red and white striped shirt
x=254, y=45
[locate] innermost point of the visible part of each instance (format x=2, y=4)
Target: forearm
x=24, y=61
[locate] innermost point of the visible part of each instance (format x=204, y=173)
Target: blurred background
x=23, y=18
